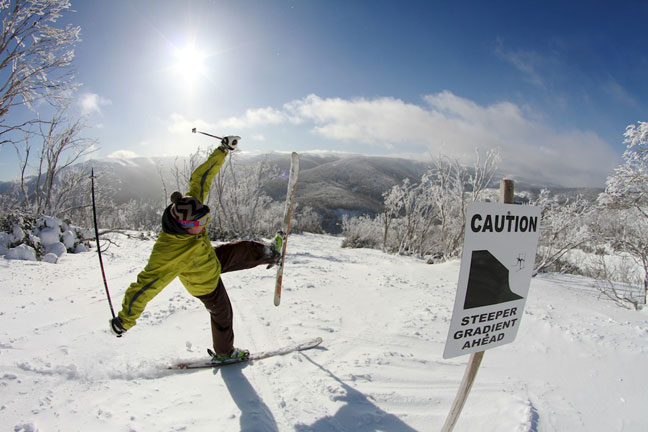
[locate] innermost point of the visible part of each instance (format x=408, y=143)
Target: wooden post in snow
x=464, y=390
x=507, y=192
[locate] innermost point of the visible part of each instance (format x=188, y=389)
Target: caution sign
x=498, y=256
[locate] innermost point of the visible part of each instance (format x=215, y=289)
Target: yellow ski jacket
x=189, y=257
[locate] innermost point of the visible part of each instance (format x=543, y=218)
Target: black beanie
x=187, y=208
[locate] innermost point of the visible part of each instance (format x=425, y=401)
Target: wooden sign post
x=507, y=192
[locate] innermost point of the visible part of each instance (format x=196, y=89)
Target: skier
x=183, y=250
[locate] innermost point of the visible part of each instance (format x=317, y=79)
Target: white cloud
x=184, y=143
x=178, y=124
x=122, y=154
x=530, y=149
x=443, y=123
x=92, y=103
x=253, y=118
x=455, y=126
x=379, y=122
x=258, y=137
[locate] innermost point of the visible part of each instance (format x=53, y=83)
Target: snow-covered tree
x=238, y=199
x=305, y=219
x=449, y=181
x=620, y=241
x=427, y=217
x=628, y=187
x=565, y=227
x=362, y=232
x=35, y=58
x=45, y=190
x=626, y=191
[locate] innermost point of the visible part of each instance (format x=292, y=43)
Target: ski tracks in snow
x=372, y=370
x=577, y=364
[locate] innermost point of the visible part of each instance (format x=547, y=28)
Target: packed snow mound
x=46, y=238
x=578, y=363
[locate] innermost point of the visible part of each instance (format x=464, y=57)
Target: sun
x=189, y=63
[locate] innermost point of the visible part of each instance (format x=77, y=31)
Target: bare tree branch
x=35, y=58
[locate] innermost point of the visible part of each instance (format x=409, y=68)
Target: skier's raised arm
x=203, y=175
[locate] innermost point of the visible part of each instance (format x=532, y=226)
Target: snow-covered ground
x=578, y=364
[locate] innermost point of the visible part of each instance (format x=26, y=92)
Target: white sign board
x=498, y=257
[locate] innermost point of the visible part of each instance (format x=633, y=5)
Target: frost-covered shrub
x=361, y=232
x=57, y=249
x=16, y=230
x=46, y=238
x=140, y=215
x=563, y=266
x=22, y=252
x=626, y=196
x=565, y=226
x=239, y=205
x=427, y=218
x=307, y=219
x=50, y=235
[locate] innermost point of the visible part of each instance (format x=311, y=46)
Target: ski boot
x=275, y=248
x=235, y=355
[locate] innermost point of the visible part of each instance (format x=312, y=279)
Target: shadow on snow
x=359, y=414
x=255, y=414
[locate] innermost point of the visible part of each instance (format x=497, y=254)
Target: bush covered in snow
x=40, y=239
x=426, y=218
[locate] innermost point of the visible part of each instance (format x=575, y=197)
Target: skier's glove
x=116, y=327
x=229, y=143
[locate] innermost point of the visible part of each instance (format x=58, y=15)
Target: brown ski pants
x=234, y=256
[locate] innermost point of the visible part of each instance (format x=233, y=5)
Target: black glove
x=117, y=327
x=230, y=142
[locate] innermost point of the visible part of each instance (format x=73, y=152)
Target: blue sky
x=553, y=84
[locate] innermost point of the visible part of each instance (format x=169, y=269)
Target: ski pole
x=205, y=133
x=103, y=273
x=218, y=138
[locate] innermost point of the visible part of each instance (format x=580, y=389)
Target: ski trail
x=384, y=322
x=308, y=393
x=256, y=395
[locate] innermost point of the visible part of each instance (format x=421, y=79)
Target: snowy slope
x=578, y=364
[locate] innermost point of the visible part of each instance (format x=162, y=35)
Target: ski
x=206, y=364
x=288, y=211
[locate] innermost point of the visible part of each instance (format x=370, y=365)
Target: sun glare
x=189, y=63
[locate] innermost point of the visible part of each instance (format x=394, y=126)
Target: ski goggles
x=199, y=220
x=194, y=223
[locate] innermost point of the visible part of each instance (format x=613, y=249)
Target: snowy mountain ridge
x=331, y=183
